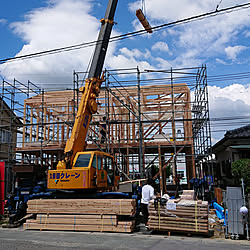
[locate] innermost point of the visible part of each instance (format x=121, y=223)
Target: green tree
x=154, y=170
x=168, y=170
x=241, y=169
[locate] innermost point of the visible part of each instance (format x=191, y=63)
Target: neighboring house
x=234, y=146
x=8, y=131
x=9, y=124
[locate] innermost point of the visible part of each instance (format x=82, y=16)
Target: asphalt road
x=47, y=240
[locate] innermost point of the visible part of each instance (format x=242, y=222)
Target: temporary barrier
x=235, y=221
x=2, y=179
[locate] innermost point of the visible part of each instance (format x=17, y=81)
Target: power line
x=128, y=35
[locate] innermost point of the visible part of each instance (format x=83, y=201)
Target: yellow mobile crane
x=80, y=169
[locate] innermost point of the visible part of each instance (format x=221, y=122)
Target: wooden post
x=127, y=161
x=160, y=170
x=58, y=129
x=62, y=133
x=133, y=130
x=24, y=123
x=48, y=126
x=121, y=129
x=164, y=177
x=53, y=128
x=68, y=120
x=37, y=126
x=44, y=120
x=31, y=123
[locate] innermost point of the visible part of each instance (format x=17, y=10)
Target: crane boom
x=88, y=170
x=103, y=40
x=90, y=92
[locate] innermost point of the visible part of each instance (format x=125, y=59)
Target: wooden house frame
x=135, y=126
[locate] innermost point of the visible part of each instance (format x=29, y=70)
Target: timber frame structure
x=150, y=119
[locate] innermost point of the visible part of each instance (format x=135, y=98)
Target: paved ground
x=47, y=240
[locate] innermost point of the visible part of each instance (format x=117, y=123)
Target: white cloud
x=171, y=10
x=220, y=61
x=136, y=53
x=126, y=58
x=61, y=23
x=226, y=107
x=234, y=92
x=208, y=37
x=161, y=46
x=227, y=102
x=3, y=21
x=162, y=64
x=247, y=33
x=54, y=26
x=231, y=102
x=191, y=44
x=187, y=59
x=232, y=52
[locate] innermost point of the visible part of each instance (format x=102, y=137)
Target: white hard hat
x=244, y=210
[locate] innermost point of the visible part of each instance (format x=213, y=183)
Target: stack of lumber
x=185, y=216
x=103, y=215
x=188, y=195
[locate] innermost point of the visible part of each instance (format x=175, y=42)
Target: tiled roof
x=238, y=132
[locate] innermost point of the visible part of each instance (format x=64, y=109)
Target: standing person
x=147, y=195
x=103, y=129
x=178, y=187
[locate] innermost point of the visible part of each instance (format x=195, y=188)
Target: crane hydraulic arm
x=90, y=92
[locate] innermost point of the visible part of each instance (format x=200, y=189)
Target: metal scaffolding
x=12, y=96
x=152, y=123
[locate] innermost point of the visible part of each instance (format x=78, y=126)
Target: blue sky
x=222, y=43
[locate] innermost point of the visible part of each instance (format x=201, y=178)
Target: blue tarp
x=220, y=212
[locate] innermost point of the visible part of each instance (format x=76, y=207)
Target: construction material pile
x=179, y=215
x=216, y=225
x=96, y=215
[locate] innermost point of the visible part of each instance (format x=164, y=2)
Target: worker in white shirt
x=147, y=195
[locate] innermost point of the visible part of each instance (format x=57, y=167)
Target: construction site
x=150, y=120
x=112, y=150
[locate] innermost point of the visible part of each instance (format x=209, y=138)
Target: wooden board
x=177, y=219
x=80, y=220
x=82, y=201
x=83, y=206
x=78, y=216
x=89, y=228
x=62, y=210
x=218, y=195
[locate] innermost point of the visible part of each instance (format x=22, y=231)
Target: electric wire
x=130, y=34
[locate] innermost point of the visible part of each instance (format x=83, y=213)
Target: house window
x=5, y=136
x=180, y=173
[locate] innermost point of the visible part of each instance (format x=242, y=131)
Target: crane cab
x=90, y=170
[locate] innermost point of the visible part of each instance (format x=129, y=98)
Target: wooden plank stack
x=102, y=215
x=188, y=195
x=186, y=216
